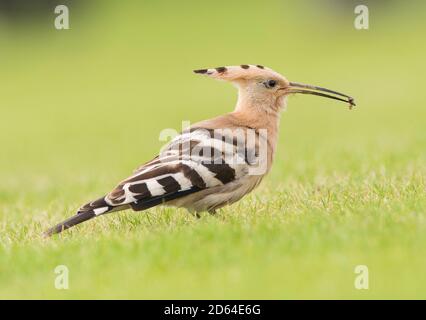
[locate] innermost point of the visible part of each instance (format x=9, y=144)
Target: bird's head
x=264, y=89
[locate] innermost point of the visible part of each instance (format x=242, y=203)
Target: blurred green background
x=81, y=108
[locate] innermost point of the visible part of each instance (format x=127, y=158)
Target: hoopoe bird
x=214, y=162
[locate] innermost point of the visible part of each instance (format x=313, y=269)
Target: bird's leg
x=195, y=214
x=212, y=212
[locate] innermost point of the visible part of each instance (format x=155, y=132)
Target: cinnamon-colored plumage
x=215, y=162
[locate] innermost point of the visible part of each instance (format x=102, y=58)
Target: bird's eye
x=270, y=83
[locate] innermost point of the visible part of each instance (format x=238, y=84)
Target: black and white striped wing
x=192, y=162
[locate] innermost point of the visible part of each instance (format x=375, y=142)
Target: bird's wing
x=193, y=161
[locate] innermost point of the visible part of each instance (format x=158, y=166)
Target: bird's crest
x=241, y=72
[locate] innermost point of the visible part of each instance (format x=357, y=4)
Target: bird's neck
x=255, y=117
x=258, y=111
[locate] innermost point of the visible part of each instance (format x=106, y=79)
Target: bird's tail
x=70, y=222
x=86, y=212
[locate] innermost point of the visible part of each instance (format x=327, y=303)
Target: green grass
x=347, y=188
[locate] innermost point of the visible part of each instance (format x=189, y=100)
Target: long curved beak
x=296, y=87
